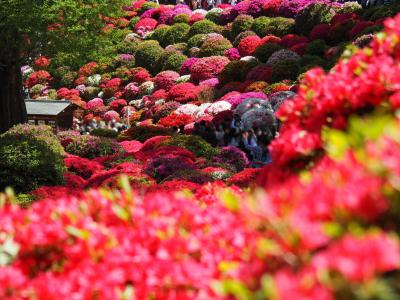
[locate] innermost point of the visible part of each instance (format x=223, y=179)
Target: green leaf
x=230, y=200
x=269, y=287
x=333, y=229
x=121, y=212
x=8, y=251
x=232, y=287
x=77, y=232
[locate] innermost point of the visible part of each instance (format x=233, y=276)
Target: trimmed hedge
x=148, y=54
x=30, y=157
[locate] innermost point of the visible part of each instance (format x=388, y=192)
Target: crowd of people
x=88, y=128
x=254, y=142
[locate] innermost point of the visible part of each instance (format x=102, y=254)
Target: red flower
x=176, y=120
x=88, y=69
x=147, y=23
x=244, y=178
x=248, y=45
x=321, y=31
x=42, y=62
x=82, y=166
x=183, y=92
x=291, y=40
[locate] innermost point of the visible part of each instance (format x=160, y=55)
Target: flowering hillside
x=157, y=214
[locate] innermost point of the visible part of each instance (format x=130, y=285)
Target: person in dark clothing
x=369, y=3
x=182, y=129
x=209, y=136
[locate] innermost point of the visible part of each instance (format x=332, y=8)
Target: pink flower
x=111, y=115
x=95, y=103
x=361, y=258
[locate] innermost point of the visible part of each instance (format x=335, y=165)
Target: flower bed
x=193, y=221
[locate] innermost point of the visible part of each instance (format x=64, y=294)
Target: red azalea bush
x=82, y=166
x=88, y=69
x=207, y=68
x=165, y=80
x=300, y=136
x=147, y=23
x=42, y=62
x=248, y=45
x=176, y=120
x=118, y=104
x=140, y=75
x=183, y=92
x=245, y=178
x=38, y=77
x=291, y=40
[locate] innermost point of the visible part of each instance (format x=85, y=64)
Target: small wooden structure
x=56, y=113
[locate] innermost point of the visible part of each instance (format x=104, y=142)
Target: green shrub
x=177, y=33
x=349, y=7
x=63, y=76
x=261, y=25
x=242, y=23
x=310, y=61
x=203, y=26
x=377, y=12
x=316, y=47
x=25, y=200
x=90, y=92
x=287, y=69
x=30, y=157
x=174, y=62
x=133, y=22
x=227, y=32
x=197, y=40
x=235, y=70
x=241, y=36
x=143, y=133
x=181, y=18
x=264, y=51
x=213, y=15
x=195, y=176
x=193, y=143
x=371, y=29
x=147, y=5
x=159, y=34
x=214, y=47
x=180, y=47
x=279, y=26
x=312, y=15
x=93, y=146
x=103, y=132
x=148, y=54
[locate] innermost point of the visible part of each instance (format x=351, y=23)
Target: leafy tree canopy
x=70, y=31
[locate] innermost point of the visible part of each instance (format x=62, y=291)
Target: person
x=182, y=129
x=220, y=135
x=175, y=129
x=234, y=139
x=250, y=143
x=209, y=135
x=236, y=123
x=196, y=130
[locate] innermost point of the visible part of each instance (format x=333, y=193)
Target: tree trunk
x=12, y=104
